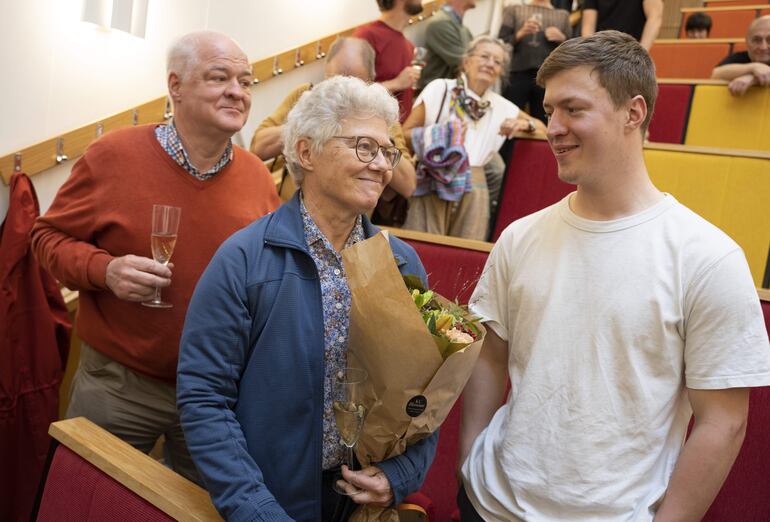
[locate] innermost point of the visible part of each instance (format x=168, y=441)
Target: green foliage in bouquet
x=450, y=325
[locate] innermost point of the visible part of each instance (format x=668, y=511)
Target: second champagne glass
x=418, y=60
x=165, y=224
x=349, y=413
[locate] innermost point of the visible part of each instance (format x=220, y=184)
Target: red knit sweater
x=104, y=210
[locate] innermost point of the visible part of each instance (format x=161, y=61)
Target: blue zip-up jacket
x=250, y=379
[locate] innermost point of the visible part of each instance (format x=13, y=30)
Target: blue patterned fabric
x=169, y=139
x=335, y=298
x=443, y=165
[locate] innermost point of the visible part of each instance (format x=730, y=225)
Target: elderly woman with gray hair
x=268, y=325
x=472, y=123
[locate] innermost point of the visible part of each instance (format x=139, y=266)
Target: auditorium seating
x=683, y=58
x=728, y=21
x=95, y=476
x=718, y=119
x=672, y=108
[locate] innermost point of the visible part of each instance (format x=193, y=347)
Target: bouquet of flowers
x=393, y=335
x=451, y=327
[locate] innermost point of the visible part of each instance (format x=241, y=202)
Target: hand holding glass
x=349, y=412
x=165, y=223
x=538, y=19
x=418, y=61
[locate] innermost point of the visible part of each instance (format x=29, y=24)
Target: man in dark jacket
x=751, y=67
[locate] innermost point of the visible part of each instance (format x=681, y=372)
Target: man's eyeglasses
x=367, y=149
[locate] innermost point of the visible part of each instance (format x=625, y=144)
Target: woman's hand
x=554, y=34
x=529, y=27
x=374, y=486
x=511, y=126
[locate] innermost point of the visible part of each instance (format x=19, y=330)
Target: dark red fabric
x=745, y=494
x=452, y=272
x=766, y=313
x=671, y=111
x=531, y=183
x=78, y=491
x=393, y=52
x=34, y=343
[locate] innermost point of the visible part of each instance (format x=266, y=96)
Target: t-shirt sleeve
x=490, y=298
x=726, y=343
x=741, y=57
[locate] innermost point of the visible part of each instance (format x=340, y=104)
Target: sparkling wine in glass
x=165, y=223
x=538, y=19
x=418, y=60
x=349, y=415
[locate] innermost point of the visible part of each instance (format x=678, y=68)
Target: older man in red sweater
x=96, y=238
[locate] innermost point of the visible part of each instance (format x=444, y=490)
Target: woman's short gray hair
x=320, y=112
x=506, y=47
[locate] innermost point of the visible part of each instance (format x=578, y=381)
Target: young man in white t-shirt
x=616, y=313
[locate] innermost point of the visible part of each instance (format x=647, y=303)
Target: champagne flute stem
x=350, y=457
x=156, y=299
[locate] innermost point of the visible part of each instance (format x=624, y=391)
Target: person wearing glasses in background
x=268, y=324
x=486, y=118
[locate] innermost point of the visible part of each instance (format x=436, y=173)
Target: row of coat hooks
x=40, y=157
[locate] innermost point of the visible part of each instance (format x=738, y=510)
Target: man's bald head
x=350, y=57
x=758, y=40
x=185, y=53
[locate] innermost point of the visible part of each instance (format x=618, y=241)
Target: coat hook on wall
x=135, y=117
x=411, y=21
x=60, y=156
x=168, y=112
x=298, y=61
x=276, y=67
x=420, y=18
x=255, y=81
x=99, y=130
x=17, y=162
x=319, y=53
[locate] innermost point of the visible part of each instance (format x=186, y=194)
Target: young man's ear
x=637, y=113
x=304, y=154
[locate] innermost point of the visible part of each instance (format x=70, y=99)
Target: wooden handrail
x=42, y=156
x=715, y=151
x=697, y=41
x=707, y=10
x=457, y=242
x=158, y=485
x=764, y=294
x=691, y=81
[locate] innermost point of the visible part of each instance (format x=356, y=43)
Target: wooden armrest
x=148, y=478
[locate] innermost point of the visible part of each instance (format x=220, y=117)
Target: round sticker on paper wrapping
x=416, y=405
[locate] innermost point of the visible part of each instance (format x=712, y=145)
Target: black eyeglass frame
x=393, y=148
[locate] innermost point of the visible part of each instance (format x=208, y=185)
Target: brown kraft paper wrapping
x=389, y=339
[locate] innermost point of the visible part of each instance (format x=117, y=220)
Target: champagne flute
x=538, y=19
x=165, y=223
x=349, y=414
x=418, y=60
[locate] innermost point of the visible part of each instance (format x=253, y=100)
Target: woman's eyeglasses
x=367, y=148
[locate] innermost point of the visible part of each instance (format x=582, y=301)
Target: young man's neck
x=396, y=18
x=624, y=191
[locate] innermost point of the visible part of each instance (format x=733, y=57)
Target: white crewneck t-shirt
x=607, y=322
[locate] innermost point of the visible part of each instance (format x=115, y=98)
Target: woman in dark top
x=534, y=31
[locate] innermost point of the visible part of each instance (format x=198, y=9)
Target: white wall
x=61, y=73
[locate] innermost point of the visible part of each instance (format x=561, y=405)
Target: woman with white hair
x=472, y=119
x=268, y=325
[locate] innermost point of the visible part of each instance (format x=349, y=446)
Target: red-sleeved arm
x=63, y=238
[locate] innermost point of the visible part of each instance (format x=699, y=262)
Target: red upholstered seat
x=452, y=272
x=671, y=110
x=531, y=183
x=77, y=490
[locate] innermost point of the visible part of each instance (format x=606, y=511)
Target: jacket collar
x=286, y=229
